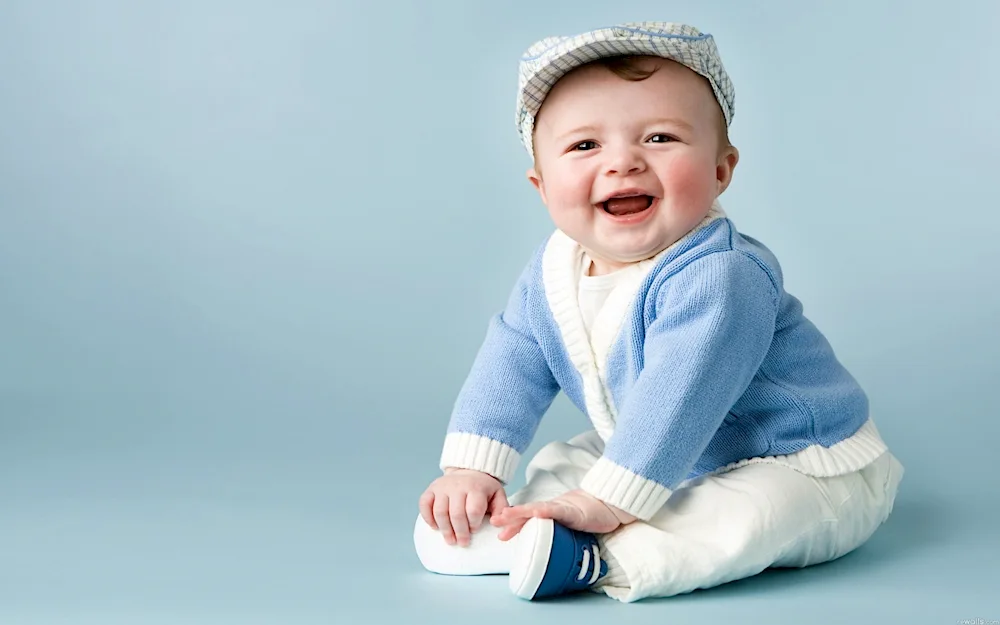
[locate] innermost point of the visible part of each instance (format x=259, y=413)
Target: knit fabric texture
x=699, y=363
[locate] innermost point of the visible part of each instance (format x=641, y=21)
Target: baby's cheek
x=691, y=184
x=569, y=209
x=570, y=198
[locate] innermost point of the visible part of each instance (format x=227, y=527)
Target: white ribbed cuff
x=624, y=489
x=470, y=451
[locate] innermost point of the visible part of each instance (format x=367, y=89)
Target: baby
x=727, y=436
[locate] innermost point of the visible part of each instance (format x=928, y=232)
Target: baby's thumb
x=498, y=502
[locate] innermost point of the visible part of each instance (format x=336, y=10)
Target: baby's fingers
x=475, y=506
x=459, y=520
x=498, y=502
x=512, y=530
x=524, y=512
x=427, y=509
x=441, y=516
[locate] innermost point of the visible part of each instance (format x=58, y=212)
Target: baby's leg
x=731, y=526
x=557, y=468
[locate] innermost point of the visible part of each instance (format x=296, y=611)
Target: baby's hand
x=457, y=502
x=576, y=510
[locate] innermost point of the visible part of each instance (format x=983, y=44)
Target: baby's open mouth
x=619, y=206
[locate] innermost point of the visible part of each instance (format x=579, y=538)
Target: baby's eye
x=584, y=146
x=662, y=138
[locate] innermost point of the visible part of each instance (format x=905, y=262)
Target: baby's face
x=658, y=140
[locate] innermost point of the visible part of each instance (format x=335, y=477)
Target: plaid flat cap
x=548, y=60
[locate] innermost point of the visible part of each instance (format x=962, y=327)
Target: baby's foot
x=551, y=559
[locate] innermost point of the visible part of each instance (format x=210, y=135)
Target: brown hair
x=626, y=67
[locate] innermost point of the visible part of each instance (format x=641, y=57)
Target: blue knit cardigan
x=699, y=362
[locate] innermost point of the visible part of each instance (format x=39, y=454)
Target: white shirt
x=593, y=291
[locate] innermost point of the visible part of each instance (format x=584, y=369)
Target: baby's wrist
x=623, y=517
x=450, y=470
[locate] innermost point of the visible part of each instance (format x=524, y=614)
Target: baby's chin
x=634, y=254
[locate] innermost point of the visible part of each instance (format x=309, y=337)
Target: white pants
x=712, y=530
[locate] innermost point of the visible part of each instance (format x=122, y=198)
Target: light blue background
x=248, y=251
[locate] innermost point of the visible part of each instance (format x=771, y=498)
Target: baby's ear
x=725, y=166
x=535, y=177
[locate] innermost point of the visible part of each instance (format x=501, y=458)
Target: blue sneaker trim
x=555, y=560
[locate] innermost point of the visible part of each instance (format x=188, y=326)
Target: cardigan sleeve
x=507, y=391
x=714, y=322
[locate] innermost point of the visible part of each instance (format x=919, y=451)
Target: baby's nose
x=625, y=162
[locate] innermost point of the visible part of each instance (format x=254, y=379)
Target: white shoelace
x=585, y=568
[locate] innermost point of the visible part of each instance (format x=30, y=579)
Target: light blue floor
x=156, y=559
x=186, y=522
